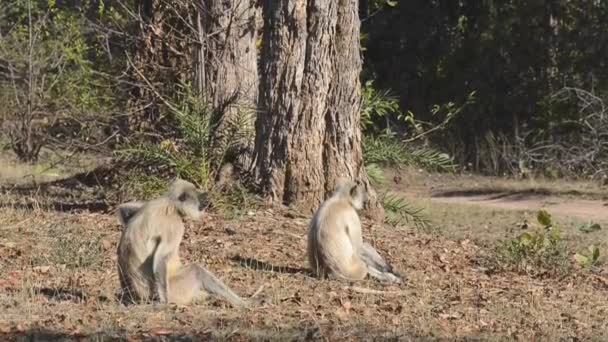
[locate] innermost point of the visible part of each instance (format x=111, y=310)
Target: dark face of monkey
x=189, y=201
x=193, y=197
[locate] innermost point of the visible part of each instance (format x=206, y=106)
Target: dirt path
x=582, y=209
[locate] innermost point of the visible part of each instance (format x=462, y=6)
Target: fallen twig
x=257, y=292
x=372, y=291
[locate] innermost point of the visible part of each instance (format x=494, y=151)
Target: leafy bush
x=381, y=146
x=388, y=150
x=188, y=156
x=543, y=250
x=46, y=73
x=375, y=174
x=589, y=227
x=398, y=211
x=590, y=259
x=377, y=105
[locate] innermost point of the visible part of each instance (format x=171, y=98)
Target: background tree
x=308, y=129
x=227, y=72
x=184, y=50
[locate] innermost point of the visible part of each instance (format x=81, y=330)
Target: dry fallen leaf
x=106, y=245
x=342, y=314
x=347, y=305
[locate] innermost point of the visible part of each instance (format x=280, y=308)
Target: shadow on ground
x=259, y=265
x=302, y=333
x=61, y=294
x=86, y=191
x=494, y=193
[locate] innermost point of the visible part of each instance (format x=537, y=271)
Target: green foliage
x=388, y=150
x=376, y=5
x=62, y=70
x=187, y=156
x=375, y=173
x=589, y=227
x=383, y=146
x=47, y=72
x=398, y=212
x=234, y=201
x=589, y=259
x=145, y=187
x=542, y=250
x=544, y=218
x=438, y=52
x=376, y=104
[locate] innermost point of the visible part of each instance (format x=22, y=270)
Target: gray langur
x=335, y=243
x=148, y=252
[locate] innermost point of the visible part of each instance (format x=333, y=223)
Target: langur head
x=354, y=191
x=188, y=200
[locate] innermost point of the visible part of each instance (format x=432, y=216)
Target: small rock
x=230, y=231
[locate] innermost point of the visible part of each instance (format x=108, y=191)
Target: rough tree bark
x=227, y=69
x=308, y=132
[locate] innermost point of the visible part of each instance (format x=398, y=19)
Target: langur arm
x=159, y=268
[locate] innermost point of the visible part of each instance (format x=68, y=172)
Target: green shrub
x=590, y=259
x=381, y=146
x=540, y=251
x=388, y=150
x=399, y=211
x=187, y=155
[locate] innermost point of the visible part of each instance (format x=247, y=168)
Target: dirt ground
x=565, y=199
x=58, y=277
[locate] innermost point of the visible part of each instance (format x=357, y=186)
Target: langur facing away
x=335, y=243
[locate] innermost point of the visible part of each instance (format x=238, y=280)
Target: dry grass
x=59, y=280
x=52, y=166
x=486, y=225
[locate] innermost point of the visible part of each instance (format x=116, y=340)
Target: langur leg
x=352, y=269
x=384, y=276
x=373, y=260
x=185, y=286
x=214, y=285
x=377, y=266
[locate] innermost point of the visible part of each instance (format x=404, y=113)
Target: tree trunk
x=227, y=74
x=308, y=132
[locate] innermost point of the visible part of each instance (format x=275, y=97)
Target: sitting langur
x=148, y=253
x=335, y=244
